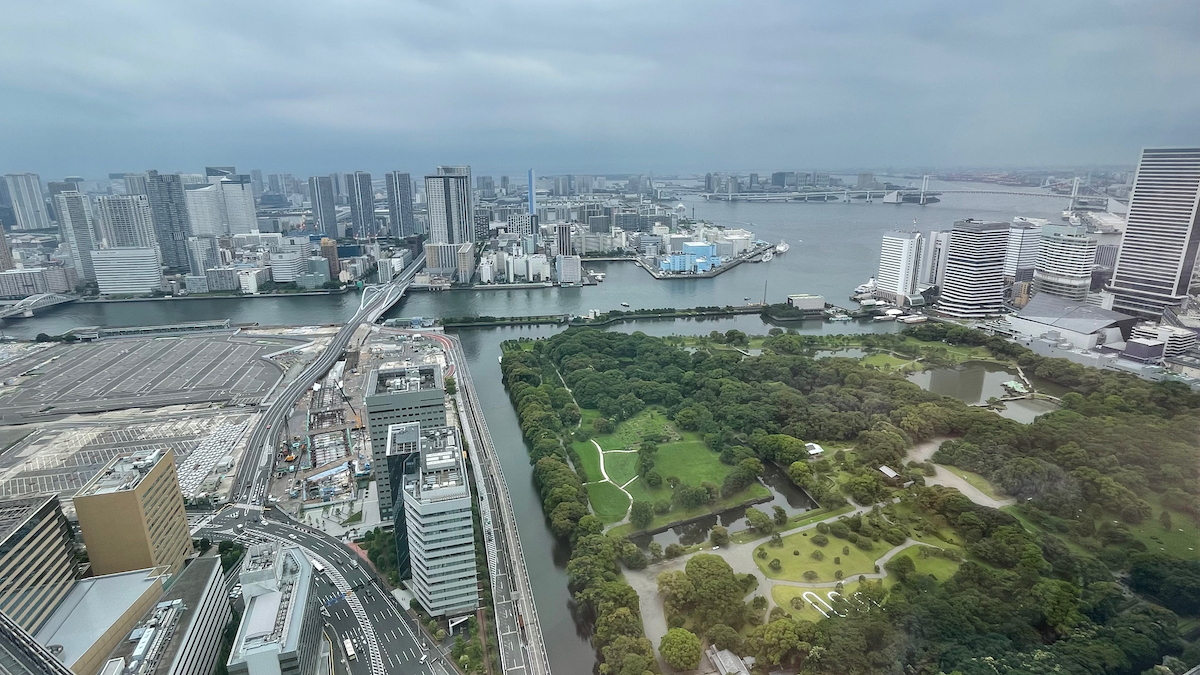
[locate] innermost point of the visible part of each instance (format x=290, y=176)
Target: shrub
x=852, y=537
x=837, y=574
x=820, y=540
x=823, y=527
x=810, y=575
x=662, y=506
x=817, y=555
x=797, y=603
x=674, y=550
x=761, y=553
x=865, y=544
x=845, y=550
x=795, y=552
x=776, y=540
x=775, y=564
x=837, y=560
x=839, y=530
x=719, y=536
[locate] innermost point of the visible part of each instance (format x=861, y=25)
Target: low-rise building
x=1176, y=341
x=569, y=269
x=222, y=279
x=1082, y=325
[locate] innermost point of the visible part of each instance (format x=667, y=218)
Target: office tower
x=504, y=186
x=486, y=187
x=1065, y=261
x=899, y=265
x=562, y=187
x=396, y=396
x=135, y=184
x=324, y=205
x=330, y=253
x=76, y=229
x=583, y=185
x=1162, y=233
x=362, y=203
x=438, y=529
x=569, y=269
x=6, y=257
x=402, y=455
x=522, y=224
x=562, y=239
x=1024, y=239
x=124, y=221
x=280, y=631
x=532, y=194
x=22, y=654
x=275, y=183
x=237, y=196
x=131, y=514
x=782, y=179
x=168, y=212
x=933, y=263
x=203, y=253
x=973, y=285
x=37, y=559
x=451, y=210
x=400, y=204
x=206, y=213
x=181, y=634
x=25, y=197
x=339, y=186
x=256, y=182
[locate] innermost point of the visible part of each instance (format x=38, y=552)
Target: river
x=834, y=247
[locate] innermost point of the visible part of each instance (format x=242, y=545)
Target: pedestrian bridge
x=24, y=308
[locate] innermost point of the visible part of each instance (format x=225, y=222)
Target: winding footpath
x=921, y=452
x=610, y=481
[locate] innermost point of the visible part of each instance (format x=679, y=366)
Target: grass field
x=608, y=502
x=941, y=568
x=589, y=458
x=782, y=595
x=793, y=566
x=798, y=520
x=1183, y=540
x=889, y=362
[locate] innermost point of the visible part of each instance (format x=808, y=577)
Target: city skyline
x=887, y=86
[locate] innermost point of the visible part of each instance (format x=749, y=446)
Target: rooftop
x=1068, y=315
x=395, y=379
x=122, y=473
x=90, y=608
x=14, y=513
x=275, y=600
x=20, y=654
x=442, y=471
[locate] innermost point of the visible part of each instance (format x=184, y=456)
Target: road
x=254, y=470
x=385, y=638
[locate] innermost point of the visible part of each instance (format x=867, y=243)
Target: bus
x=350, y=655
x=318, y=566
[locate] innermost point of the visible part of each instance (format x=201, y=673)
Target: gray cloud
x=90, y=87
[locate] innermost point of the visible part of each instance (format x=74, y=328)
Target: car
x=715, y=548
x=291, y=536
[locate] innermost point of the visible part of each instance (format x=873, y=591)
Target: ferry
x=913, y=318
x=783, y=247
x=868, y=287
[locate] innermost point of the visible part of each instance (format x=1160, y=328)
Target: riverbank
x=720, y=269
x=232, y=296
x=605, y=319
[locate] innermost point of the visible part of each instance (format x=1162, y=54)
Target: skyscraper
x=562, y=239
x=973, y=285
x=6, y=257
x=362, y=203
x=1024, y=239
x=933, y=265
x=237, y=198
x=396, y=395
x=202, y=254
x=1162, y=233
x=256, y=182
x=324, y=209
x=38, y=566
x=123, y=221
x=168, y=212
x=400, y=204
x=330, y=254
x=899, y=265
x=135, y=184
x=25, y=196
x=75, y=226
x=1064, y=262
x=206, y=212
x=451, y=207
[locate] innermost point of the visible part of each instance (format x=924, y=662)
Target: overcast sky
x=591, y=87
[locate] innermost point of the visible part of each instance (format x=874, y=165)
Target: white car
x=291, y=536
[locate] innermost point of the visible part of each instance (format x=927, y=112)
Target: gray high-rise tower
x=168, y=212
x=362, y=203
x=1162, y=234
x=400, y=204
x=25, y=197
x=75, y=224
x=323, y=198
x=451, y=207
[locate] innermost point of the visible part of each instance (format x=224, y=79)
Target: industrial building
x=397, y=394
x=37, y=560
x=280, y=629
x=438, y=526
x=131, y=515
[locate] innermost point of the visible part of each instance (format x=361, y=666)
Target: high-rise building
x=330, y=253
x=206, y=210
x=438, y=528
x=280, y=631
x=28, y=204
x=1065, y=261
x=400, y=204
x=465, y=263
x=450, y=205
x=1162, y=233
x=275, y=183
x=1024, y=240
x=203, y=253
x=486, y=187
x=124, y=221
x=522, y=224
x=23, y=655
x=128, y=271
x=562, y=239
x=37, y=559
x=77, y=231
x=324, y=205
x=256, y=182
x=933, y=263
x=569, y=269
x=168, y=212
x=131, y=514
x=396, y=396
x=973, y=284
x=899, y=266
x=237, y=197
x=6, y=256
x=135, y=184
x=504, y=186
x=362, y=203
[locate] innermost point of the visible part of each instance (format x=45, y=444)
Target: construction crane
x=357, y=418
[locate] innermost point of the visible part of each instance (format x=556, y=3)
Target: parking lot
x=138, y=373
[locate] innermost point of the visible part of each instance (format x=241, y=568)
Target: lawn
x=888, y=362
x=629, y=434
x=608, y=502
x=589, y=457
x=621, y=466
x=796, y=521
x=793, y=566
x=782, y=595
x=979, y=482
x=941, y=568
x=958, y=352
x=1181, y=541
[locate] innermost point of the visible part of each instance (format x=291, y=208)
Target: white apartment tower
x=899, y=265
x=1024, y=238
x=1158, y=253
x=237, y=198
x=124, y=222
x=205, y=210
x=450, y=205
x=25, y=195
x=1064, y=262
x=75, y=224
x=973, y=284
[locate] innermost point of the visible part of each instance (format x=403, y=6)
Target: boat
x=768, y=256
x=885, y=317
x=868, y=287
x=914, y=318
x=782, y=247
x=839, y=317
x=624, y=304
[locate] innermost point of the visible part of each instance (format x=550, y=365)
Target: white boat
x=783, y=247
x=839, y=317
x=868, y=287
x=768, y=256
x=624, y=304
